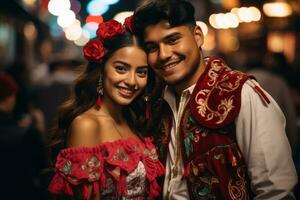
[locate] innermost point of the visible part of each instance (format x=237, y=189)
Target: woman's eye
x=142, y=72
x=120, y=69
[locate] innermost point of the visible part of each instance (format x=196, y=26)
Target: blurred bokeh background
x=41, y=43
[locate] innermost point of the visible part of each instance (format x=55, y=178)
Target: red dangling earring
x=99, y=102
x=100, y=92
x=147, y=111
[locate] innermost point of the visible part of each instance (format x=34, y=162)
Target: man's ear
x=199, y=37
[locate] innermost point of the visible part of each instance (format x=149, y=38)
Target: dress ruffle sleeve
x=89, y=167
x=153, y=167
x=78, y=166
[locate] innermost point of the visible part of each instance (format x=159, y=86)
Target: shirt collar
x=169, y=94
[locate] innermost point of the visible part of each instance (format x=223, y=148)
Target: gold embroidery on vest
x=237, y=189
x=223, y=85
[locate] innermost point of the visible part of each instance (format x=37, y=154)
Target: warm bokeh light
x=83, y=39
x=277, y=9
x=256, y=15
x=209, y=40
x=219, y=21
x=228, y=40
x=228, y=4
x=29, y=2
x=30, y=31
x=120, y=17
x=235, y=11
x=230, y=20
x=58, y=7
x=73, y=32
x=212, y=20
x=203, y=27
x=66, y=19
x=245, y=14
x=224, y=21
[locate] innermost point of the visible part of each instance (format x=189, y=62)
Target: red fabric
x=211, y=154
x=87, y=166
x=217, y=88
x=214, y=166
x=262, y=94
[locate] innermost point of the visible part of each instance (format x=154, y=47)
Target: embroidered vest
x=214, y=166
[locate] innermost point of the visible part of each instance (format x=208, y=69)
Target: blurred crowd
x=29, y=99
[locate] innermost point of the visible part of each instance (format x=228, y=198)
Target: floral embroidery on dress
x=90, y=164
x=120, y=155
x=67, y=168
x=151, y=153
x=131, y=168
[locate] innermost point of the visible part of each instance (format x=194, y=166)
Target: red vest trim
x=216, y=99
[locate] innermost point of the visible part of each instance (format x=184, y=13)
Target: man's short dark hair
x=150, y=12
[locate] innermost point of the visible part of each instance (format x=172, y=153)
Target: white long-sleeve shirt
x=260, y=134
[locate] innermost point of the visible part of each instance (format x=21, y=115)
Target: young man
x=221, y=135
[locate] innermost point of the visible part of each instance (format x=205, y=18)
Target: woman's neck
x=112, y=110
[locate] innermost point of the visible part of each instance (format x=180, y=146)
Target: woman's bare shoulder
x=83, y=131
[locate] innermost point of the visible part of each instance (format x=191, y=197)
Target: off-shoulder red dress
x=123, y=169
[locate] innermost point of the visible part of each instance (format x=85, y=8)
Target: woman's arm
x=83, y=133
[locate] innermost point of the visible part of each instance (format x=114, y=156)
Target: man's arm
x=261, y=136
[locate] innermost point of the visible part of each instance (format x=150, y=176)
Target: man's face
x=174, y=52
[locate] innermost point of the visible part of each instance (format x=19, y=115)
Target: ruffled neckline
x=118, y=142
x=79, y=165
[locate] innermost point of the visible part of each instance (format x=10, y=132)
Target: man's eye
x=172, y=40
x=120, y=69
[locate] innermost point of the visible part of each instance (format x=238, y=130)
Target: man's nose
x=164, y=52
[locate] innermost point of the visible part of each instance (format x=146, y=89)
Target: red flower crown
x=94, y=50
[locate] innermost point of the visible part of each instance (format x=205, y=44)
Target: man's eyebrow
x=175, y=34
x=171, y=36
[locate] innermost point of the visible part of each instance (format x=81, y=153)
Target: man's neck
x=179, y=88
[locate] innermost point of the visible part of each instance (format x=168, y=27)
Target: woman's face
x=125, y=75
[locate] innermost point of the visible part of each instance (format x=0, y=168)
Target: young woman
x=100, y=154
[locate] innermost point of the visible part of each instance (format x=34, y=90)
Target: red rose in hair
x=109, y=29
x=94, y=51
x=128, y=23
